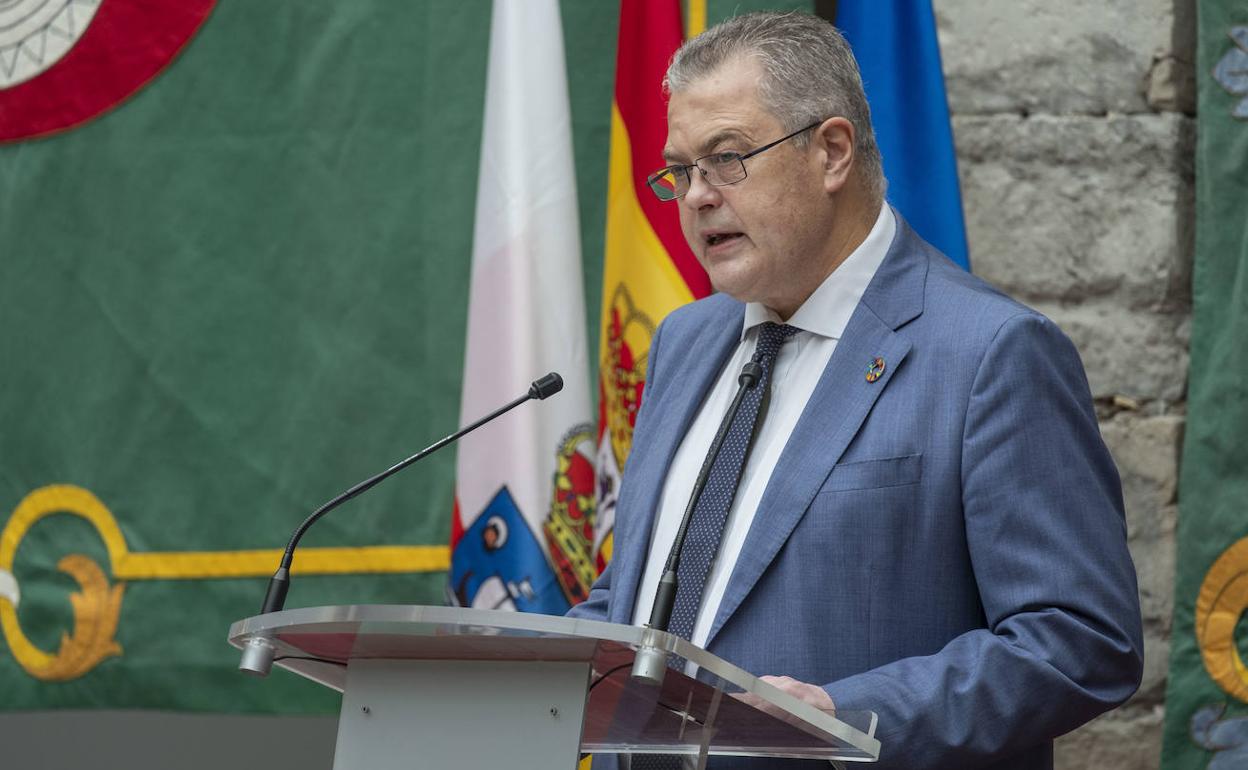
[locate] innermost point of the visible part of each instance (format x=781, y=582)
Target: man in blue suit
x=923, y=520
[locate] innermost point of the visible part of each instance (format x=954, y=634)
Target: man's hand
x=807, y=693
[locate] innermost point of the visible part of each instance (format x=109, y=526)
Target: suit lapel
x=674, y=407
x=835, y=412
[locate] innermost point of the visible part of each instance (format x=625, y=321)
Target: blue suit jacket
x=944, y=546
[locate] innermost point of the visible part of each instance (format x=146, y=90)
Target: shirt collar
x=826, y=312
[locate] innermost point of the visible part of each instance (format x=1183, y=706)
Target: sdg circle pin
x=875, y=370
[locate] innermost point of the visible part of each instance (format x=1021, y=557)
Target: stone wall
x=1075, y=131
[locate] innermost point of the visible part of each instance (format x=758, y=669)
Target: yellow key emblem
x=97, y=604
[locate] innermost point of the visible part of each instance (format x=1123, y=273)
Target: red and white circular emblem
x=64, y=62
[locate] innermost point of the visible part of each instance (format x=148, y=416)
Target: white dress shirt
x=822, y=319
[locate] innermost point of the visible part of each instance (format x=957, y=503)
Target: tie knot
x=770, y=337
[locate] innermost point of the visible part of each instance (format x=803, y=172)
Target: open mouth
x=715, y=239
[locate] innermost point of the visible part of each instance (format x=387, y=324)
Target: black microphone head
x=546, y=386
x=750, y=374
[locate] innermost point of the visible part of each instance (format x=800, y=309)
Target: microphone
x=258, y=654
x=650, y=662
x=540, y=389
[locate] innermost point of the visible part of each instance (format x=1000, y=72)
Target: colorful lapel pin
x=875, y=370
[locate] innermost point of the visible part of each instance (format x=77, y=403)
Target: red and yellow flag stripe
x=649, y=270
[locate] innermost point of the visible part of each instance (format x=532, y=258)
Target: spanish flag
x=648, y=270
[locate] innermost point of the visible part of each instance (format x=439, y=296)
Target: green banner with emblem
x=228, y=291
x=1207, y=693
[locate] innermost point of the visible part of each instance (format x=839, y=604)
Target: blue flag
x=895, y=43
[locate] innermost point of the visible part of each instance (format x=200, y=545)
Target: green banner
x=222, y=303
x=1207, y=694
x=232, y=284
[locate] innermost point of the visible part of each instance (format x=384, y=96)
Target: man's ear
x=834, y=140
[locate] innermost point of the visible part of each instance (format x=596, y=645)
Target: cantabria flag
x=524, y=490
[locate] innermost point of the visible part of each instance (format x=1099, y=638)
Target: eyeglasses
x=718, y=169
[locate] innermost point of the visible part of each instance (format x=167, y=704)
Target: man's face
x=763, y=238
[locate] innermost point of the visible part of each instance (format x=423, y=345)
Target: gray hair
x=809, y=73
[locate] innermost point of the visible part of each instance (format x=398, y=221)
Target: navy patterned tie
x=706, y=526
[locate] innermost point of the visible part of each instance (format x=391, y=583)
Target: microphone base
x=257, y=657
x=650, y=666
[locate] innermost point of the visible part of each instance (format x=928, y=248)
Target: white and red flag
x=522, y=534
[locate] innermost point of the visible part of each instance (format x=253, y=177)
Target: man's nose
x=701, y=193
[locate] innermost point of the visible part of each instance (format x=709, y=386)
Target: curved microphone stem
x=258, y=656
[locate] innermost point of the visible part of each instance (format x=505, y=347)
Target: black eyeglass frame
x=741, y=159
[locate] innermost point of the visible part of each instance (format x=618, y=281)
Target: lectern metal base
x=408, y=714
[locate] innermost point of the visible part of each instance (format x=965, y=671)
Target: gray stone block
x=1172, y=85
x=1154, y=567
x=1156, y=668
x=1172, y=80
x=1069, y=208
x=1077, y=56
x=1134, y=353
x=1146, y=450
x=1126, y=739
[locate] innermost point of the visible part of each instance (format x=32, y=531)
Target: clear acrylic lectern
x=451, y=687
